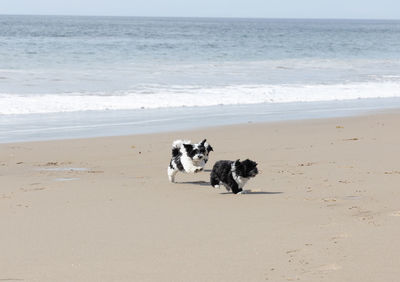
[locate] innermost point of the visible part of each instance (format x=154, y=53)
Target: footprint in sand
x=329, y=199
x=392, y=172
x=306, y=164
x=32, y=189
x=61, y=179
x=4, y=196
x=329, y=267
x=396, y=213
x=65, y=169
x=337, y=238
x=340, y=236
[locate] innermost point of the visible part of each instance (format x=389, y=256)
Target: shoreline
x=76, y=125
x=101, y=209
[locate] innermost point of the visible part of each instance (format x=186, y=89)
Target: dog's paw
x=242, y=192
x=198, y=170
x=217, y=186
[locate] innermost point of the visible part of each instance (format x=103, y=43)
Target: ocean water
x=62, y=70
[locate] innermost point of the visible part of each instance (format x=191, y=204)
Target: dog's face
x=246, y=168
x=198, y=152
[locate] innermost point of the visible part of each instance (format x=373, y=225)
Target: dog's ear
x=237, y=162
x=209, y=148
x=202, y=142
x=188, y=147
x=252, y=162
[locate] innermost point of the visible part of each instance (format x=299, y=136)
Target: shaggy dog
x=187, y=157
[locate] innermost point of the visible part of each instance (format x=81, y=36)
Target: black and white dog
x=187, y=157
x=233, y=174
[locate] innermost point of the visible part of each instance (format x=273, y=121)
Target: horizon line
x=204, y=17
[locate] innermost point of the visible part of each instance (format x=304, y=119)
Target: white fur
x=179, y=143
x=191, y=166
x=171, y=174
x=241, y=181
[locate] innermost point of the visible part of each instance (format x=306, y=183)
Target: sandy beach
x=325, y=207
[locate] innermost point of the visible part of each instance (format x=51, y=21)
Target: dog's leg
x=214, y=180
x=226, y=187
x=236, y=189
x=200, y=166
x=171, y=174
x=198, y=169
x=193, y=169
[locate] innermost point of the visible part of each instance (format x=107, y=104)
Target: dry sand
x=326, y=206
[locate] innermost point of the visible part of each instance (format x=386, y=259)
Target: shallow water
x=18, y=128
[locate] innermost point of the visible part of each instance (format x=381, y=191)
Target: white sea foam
x=153, y=96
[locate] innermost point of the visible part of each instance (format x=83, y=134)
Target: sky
x=337, y=9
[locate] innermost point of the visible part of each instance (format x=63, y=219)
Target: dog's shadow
x=247, y=192
x=201, y=183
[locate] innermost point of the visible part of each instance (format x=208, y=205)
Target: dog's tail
x=176, y=146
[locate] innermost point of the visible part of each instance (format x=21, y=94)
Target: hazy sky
x=364, y=9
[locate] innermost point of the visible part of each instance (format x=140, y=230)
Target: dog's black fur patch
x=175, y=152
